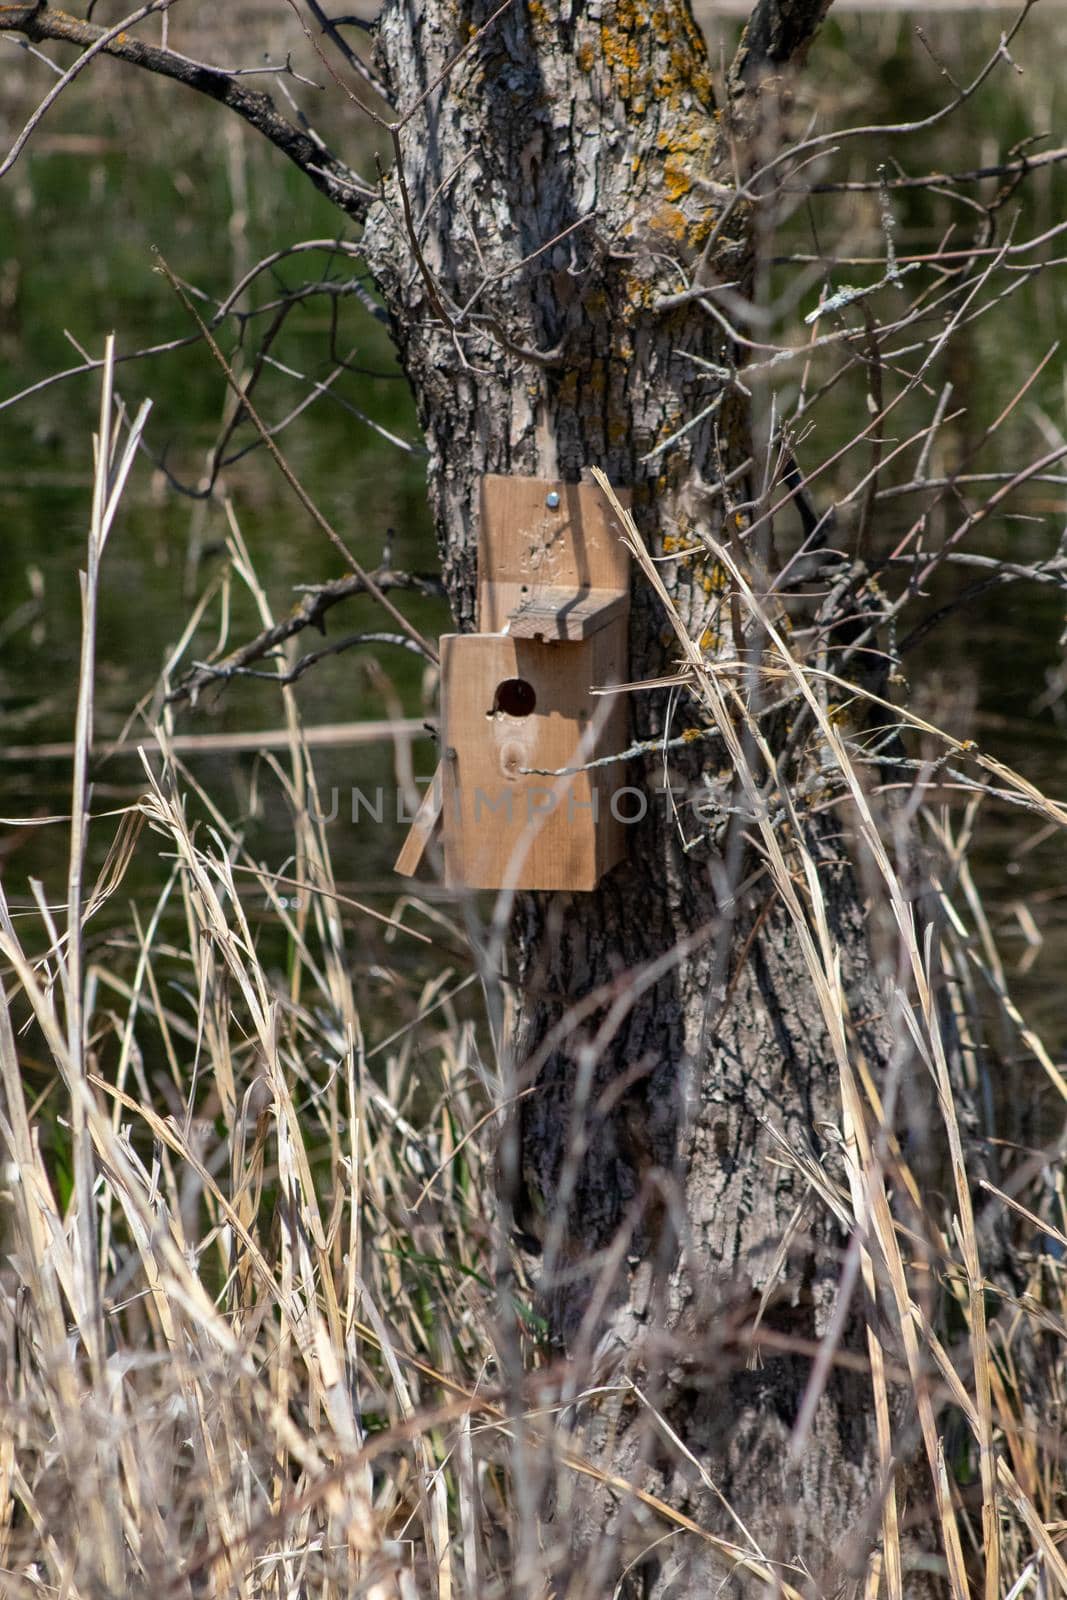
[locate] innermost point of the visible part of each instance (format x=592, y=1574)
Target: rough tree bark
x=595, y=124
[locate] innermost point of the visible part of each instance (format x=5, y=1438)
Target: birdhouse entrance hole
x=514, y=697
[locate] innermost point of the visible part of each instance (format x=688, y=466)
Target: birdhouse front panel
x=515, y=713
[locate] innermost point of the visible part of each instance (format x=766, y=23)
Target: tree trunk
x=566, y=177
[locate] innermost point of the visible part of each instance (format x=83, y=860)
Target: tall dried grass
x=250, y=1337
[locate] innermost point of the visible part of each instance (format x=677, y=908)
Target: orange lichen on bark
x=684, y=141
x=676, y=180
x=681, y=548
x=669, y=222
x=677, y=66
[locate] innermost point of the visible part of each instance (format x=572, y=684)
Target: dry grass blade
x=865, y=1131
x=204, y=1420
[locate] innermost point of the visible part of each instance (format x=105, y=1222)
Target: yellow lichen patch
x=684, y=143
x=710, y=640
x=659, y=24
x=669, y=222
x=638, y=293
x=657, y=53
x=623, y=55
x=700, y=230
x=690, y=46
x=686, y=133
x=676, y=179
x=716, y=581
x=683, y=75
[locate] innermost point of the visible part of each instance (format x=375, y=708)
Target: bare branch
x=919, y=125
x=1000, y=169
x=777, y=33
x=290, y=477
x=331, y=27
x=40, y=24
x=310, y=612
x=225, y=308
x=306, y=662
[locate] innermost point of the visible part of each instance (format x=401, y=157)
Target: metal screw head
x=552, y=500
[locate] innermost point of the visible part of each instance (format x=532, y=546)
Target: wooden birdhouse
x=520, y=806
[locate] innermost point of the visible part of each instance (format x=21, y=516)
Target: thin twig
x=41, y=24
x=290, y=477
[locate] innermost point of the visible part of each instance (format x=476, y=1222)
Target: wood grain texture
x=507, y=823
x=535, y=555
x=565, y=614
